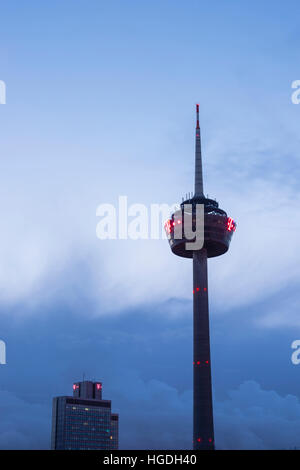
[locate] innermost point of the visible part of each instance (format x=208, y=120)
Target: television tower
x=218, y=230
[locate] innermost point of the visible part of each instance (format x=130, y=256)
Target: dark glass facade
x=84, y=421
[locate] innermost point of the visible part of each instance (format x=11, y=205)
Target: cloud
x=253, y=418
x=49, y=233
x=157, y=416
x=23, y=425
x=144, y=361
x=262, y=259
x=281, y=310
x=154, y=415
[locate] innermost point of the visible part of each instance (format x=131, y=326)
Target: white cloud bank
x=250, y=418
x=50, y=227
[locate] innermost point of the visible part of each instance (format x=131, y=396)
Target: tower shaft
x=203, y=410
x=203, y=435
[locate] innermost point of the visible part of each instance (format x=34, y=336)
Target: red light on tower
x=98, y=386
x=230, y=224
x=168, y=226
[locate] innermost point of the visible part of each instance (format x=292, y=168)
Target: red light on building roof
x=98, y=386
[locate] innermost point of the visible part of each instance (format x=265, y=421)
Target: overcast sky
x=101, y=103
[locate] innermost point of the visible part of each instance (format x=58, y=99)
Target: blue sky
x=100, y=103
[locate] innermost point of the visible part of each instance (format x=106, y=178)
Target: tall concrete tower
x=216, y=229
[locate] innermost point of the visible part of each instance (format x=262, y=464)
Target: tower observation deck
x=215, y=229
